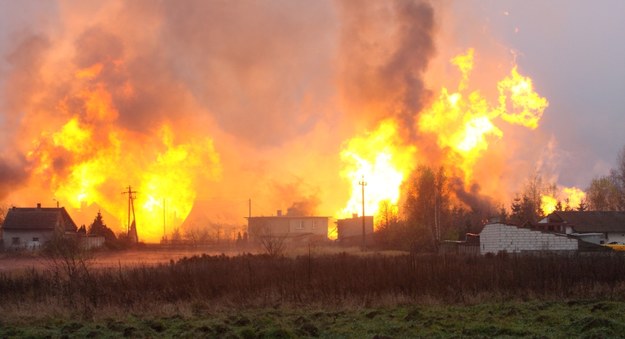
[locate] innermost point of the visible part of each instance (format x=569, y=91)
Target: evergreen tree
x=559, y=206
x=98, y=228
x=503, y=215
x=516, y=208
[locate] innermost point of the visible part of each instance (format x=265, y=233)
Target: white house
x=599, y=227
x=288, y=227
x=30, y=228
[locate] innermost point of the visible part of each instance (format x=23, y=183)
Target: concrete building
x=349, y=231
x=292, y=228
x=498, y=237
x=31, y=227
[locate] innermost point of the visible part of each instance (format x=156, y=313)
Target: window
x=15, y=241
x=36, y=239
x=301, y=225
x=314, y=224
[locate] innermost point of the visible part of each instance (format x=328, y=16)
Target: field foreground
x=250, y=296
x=585, y=318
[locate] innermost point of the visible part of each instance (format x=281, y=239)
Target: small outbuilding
x=350, y=230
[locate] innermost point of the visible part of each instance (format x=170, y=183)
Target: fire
x=90, y=160
x=573, y=196
x=464, y=121
x=382, y=162
x=570, y=199
x=548, y=204
x=518, y=103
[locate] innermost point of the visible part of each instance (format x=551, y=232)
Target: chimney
x=354, y=215
x=38, y=205
x=279, y=213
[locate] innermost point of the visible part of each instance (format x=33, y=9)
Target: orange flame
x=90, y=160
x=463, y=122
x=382, y=161
x=571, y=198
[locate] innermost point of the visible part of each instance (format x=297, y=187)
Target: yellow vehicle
x=616, y=247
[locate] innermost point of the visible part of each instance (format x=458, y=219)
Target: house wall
x=352, y=227
x=593, y=238
x=317, y=226
x=91, y=242
x=496, y=238
x=616, y=237
x=287, y=226
x=26, y=238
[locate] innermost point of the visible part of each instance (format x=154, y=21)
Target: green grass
x=562, y=319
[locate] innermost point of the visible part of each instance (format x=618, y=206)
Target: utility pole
x=131, y=228
x=363, y=183
x=164, y=221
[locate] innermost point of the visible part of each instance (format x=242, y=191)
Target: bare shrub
x=69, y=264
x=273, y=244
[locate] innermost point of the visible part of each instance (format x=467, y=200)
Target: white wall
x=25, y=238
x=495, y=238
x=616, y=237
x=309, y=225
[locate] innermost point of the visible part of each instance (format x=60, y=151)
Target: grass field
x=572, y=319
x=325, y=295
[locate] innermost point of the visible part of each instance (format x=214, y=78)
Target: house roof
x=590, y=221
x=38, y=218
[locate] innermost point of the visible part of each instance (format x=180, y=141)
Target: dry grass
x=373, y=279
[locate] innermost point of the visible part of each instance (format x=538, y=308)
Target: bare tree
x=272, y=243
x=70, y=264
x=4, y=209
x=607, y=193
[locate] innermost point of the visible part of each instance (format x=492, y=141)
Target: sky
x=573, y=51
x=216, y=103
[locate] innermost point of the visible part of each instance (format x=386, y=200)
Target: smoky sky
x=264, y=73
x=572, y=50
x=267, y=73
x=387, y=76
